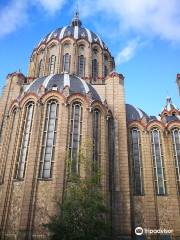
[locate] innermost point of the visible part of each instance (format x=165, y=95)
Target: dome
x=133, y=113
x=73, y=49
x=59, y=81
x=75, y=31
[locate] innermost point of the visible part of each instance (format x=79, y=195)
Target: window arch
x=75, y=136
x=66, y=46
x=81, y=65
x=158, y=161
x=52, y=63
x=49, y=140
x=66, y=62
x=40, y=68
x=95, y=64
x=176, y=147
x=96, y=136
x=137, y=162
x=24, y=142
x=81, y=49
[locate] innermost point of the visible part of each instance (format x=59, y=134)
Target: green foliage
x=83, y=214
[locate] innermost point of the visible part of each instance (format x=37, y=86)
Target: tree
x=83, y=214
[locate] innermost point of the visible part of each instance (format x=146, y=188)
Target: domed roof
x=59, y=81
x=75, y=31
x=133, y=113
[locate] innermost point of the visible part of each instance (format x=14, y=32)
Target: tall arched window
x=12, y=130
x=137, y=161
x=105, y=71
x=66, y=62
x=94, y=69
x=111, y=150
x=96, y=137
x=75, y=136
x=95, y=64
x=158, y=161
x=81, y=66
x=24, y=145
x=176, y=146
x=52, y=63
x=49, y=140
x=40, y=68
x=105, y=66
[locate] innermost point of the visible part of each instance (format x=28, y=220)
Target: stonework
x=33, y=169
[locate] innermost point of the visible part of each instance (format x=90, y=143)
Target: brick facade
x=26, y=203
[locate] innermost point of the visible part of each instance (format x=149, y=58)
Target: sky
x=142, y=35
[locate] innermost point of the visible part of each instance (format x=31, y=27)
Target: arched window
x=66, y=62
x=12, y=128
x=111, y=151
x=176, y=147
x=81, y=49
x=95, y=64
x=158, y=161
x=81, y=66
x=75, y=136
x=96, y=137
x=137, y=161
x=94, y=69
x=40, y=68
x=24, y=143
x=105, y=66
x=49, y=140
x=105, y=71
x=52, y=63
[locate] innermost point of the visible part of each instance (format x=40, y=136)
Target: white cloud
x=12, y=16
x=15, y=14
x=155, y=17
x=128, y=51
x=51, y=6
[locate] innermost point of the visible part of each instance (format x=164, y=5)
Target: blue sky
x=143, y=36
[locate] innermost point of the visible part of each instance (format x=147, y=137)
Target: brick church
x=72, y=94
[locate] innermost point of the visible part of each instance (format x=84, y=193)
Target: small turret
x=169, y=104
x=169, y=109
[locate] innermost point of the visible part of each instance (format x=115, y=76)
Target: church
x=72, y=95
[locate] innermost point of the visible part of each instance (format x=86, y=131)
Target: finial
x=77, y=9
x=76, y=21
x=168, y=100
